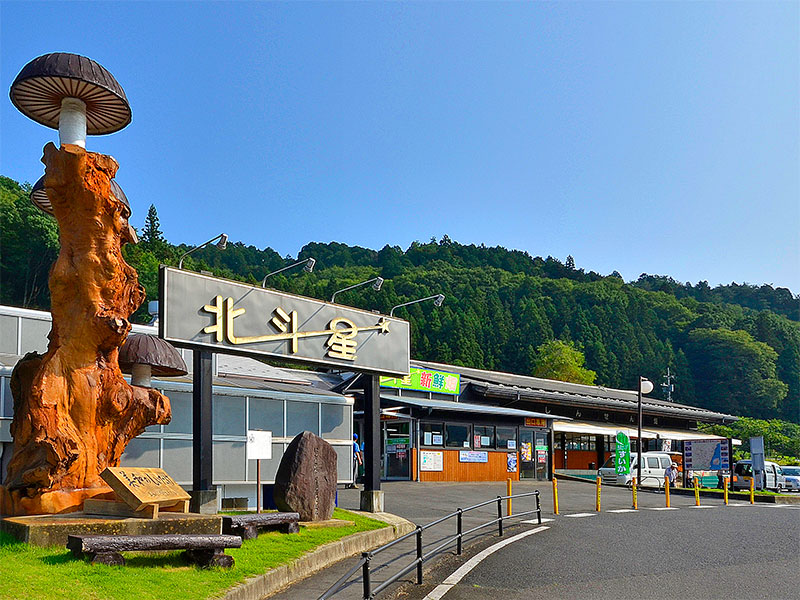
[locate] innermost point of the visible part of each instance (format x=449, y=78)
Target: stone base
x=52, y=530
x=372, y=500
x=326, y=523
x=203, y=502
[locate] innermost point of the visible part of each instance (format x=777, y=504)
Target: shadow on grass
x=60, y=559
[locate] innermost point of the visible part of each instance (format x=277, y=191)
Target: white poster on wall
x=259, y=445
x=431, y=461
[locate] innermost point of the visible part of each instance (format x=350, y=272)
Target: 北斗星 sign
x=199, y=311
x=425, y=380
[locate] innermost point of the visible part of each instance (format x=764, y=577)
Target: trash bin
x=592, y=467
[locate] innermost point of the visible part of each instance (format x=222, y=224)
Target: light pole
x=437, y=301
x=221, y=244
x=309, y=262
x=645, y=387
x=376, y=282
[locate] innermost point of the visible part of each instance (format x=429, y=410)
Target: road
x=742, y=550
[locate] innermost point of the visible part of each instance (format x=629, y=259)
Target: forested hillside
x=733, y=348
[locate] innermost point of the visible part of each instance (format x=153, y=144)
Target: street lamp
x=376, y=282
x=437, y=301
x=645, y=387
x=221, y=244
x=310, y=262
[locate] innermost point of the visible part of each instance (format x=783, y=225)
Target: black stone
x=306, y=478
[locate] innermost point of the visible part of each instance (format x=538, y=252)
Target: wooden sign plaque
x=139, y=487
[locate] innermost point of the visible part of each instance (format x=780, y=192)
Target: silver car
x=792, y=477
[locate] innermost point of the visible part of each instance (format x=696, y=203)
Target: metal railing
x=421, y=557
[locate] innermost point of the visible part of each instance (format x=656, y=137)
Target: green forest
x=732, y=348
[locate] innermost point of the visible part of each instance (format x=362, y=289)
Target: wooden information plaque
x=139, y=487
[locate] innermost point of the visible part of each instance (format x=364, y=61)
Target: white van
x=654, y=468
x=773, y=476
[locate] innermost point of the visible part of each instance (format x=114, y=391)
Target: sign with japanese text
x=535, y=422
x=472, y=456
x=622, y=456
x=259, y=445
x=431, y=461
x=425, y=380
x=204, y=312
x=138, y=487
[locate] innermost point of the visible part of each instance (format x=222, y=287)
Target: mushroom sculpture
x=73, y=94
x=144, y=355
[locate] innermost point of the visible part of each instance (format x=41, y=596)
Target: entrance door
x=541, y=455
x=397, y=449
x=527, y=454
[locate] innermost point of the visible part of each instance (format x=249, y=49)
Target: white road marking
x=440, y=590
x=663, y=508
x=703, y=506
x=536, y=521
x=581, y=515
x=623, y=510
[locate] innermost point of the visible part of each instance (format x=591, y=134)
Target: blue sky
x=657, y=137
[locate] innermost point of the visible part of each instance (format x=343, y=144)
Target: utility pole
x=667, y=386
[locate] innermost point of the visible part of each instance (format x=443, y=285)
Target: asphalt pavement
x=715, y=552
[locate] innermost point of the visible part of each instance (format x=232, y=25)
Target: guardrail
x=421, y=557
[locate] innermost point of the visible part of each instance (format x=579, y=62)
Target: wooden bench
x=248, y=526
x=204, y=550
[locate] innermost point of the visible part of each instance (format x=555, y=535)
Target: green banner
x=622, y=458
x=425, y=380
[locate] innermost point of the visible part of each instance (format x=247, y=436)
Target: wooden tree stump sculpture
x=74, y=413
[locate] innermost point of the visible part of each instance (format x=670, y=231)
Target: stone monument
x=306, y=478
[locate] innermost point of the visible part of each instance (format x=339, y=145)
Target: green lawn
x=53, y=573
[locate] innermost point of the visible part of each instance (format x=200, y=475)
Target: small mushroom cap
x=146, y=349
x=44, y=82
x=42, y=202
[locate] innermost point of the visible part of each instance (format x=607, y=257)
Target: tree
x=152, y=231
x=570, y=264
x=561, y=361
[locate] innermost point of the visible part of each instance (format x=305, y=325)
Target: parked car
x=773, y=476
x=791, y=476
x=654, y=467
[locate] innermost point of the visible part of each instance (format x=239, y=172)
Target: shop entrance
x=533, y=454
x=396, y=436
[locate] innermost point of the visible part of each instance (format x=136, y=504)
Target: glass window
x=506, y=435
x=483, y=436
x=267, y=415
x=178, y=459
x=8, y=334
x=665, y=462
x=652, y=462
x=8, y=406
x=300, y=417
x=181, y=403
x=228, y=414
x=432, y=434
x=229, y=461
x=335, y=421
x=34, y=335
x=458, y=436
x=141, y=452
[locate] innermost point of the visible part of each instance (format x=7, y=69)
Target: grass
x=52, y=573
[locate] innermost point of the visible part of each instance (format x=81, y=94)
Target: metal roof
x=465, y=407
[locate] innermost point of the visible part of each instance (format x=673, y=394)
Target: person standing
x=358, y=460
x=672, y=473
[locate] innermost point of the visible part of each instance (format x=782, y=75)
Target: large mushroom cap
x=146, y=349
x=40, y=199
x=45, y=81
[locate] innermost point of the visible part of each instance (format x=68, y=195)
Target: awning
x=464, y=407
x=680, y=435
x=598, y=428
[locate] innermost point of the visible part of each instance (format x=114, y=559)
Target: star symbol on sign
x=384, y=325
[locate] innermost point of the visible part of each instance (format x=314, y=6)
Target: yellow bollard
x=725, y=491
x=635, y=499
x=508, y=493
x=666, y=489
x=597, y=503
x=555, y=496
x=752, y=490
x=696, y=491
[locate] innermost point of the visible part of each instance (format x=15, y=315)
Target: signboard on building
x=200, y=311
x=259, y=445
x=622, y=456
x=511, y=462
x=431, y=461
x=425, y=380
x=472, y=456
x=535, y=422
x=706, y=455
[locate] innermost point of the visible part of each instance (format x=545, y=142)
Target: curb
x=274, y=580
